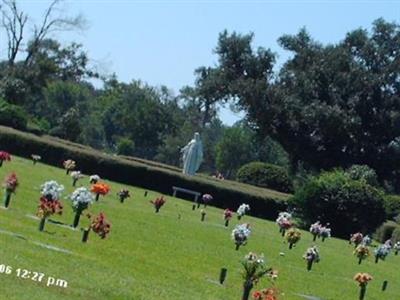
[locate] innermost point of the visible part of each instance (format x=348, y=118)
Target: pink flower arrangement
x=4, y=156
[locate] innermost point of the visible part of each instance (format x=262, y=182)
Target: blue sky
x=162, y=42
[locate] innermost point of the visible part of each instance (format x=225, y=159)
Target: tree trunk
x=246, y=290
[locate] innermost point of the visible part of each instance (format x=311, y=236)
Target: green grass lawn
x=169, y=255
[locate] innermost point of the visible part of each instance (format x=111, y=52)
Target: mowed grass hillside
x=169, y=255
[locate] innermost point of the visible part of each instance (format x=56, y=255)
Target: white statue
x=192, y=155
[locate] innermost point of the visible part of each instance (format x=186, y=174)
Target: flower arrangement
x=123, y=194
x=100, y=189
x=325, y=232
x=284, y=222
x=242, y=210
x=228, y=214
x=51, y=190
x=10, y=185
x=93, y=179
x=311, y=256
x=362, y=279
x=315, y=230
x=76, y=175
x=207, y=198
x=69, y=165
x=35, y=158
x=366, y=240
x=99, y=225
x=240, y=234
x=362, y=252
x=203, y=214
x=4, y=156
x=254, y=269
x=396, y=248
x=158, y=203
x=293, y=235
x=81, y=199
x=266, y=294
x=381, y=252
x=47, y=208
x=356, y=239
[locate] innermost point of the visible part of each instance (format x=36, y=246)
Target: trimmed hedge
x=385, y=231
x=265, y=175
x=348, y=205
x=264, y=203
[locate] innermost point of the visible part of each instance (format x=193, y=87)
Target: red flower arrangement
x=101, y=226
x=160, y=201
x=266, y=294
x=10, y=184
x=4, y=156
x=100, y=189
x=47, y=208
x=228, y=214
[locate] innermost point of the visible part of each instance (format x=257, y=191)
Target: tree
x=233, y=150
x=328, y=106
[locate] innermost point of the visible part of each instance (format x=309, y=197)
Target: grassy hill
x=169, y=255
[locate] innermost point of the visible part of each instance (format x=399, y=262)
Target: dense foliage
x=265, y=175
x=348, y=205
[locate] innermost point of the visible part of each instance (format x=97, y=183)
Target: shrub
x=12, y=115
x=265, y=175
x=392, y=206
x=396, y=234
x=385, y=231
x=348, y=205
x=142, y=173
x=125, y=147
x=363, y=172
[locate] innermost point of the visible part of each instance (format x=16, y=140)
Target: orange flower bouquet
x=100, y=189
x=362, y=279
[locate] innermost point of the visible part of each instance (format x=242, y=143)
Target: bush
x=396, y=234
x=385, y=231
x=392, y=206
x=265, y=175
x=363, y=172
x=125, y=147
x=146, y=174
x=12, y=115
x=348, y=205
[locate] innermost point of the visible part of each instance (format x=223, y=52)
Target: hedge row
x=149, y=175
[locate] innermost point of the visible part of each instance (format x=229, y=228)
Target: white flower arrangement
x=76, y=175
x=366, y=241
x=94, y=178
x=382, y=251
x=283, y=217
x=81, y=197
x=241, y=233
x=243, y=208
x=397, y=246
x=325, y=232
x=52, y=189
x=315, y=228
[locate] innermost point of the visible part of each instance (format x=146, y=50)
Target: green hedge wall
x=264, y=203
